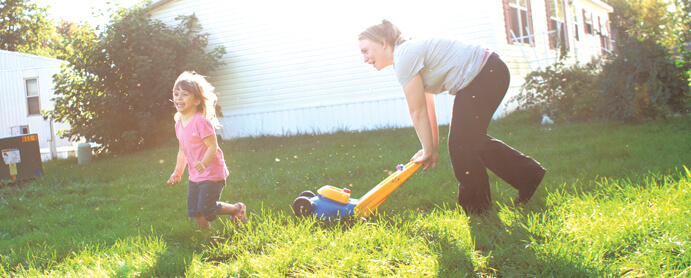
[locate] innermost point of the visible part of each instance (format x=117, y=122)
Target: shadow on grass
x=510, y=253
x=454, y=260
x=171, y=263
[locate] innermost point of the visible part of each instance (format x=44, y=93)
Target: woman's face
x=376, y=54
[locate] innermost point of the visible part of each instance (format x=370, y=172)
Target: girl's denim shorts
x=202, y=199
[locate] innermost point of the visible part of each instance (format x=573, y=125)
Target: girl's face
x=376, y=54
x=185, y=102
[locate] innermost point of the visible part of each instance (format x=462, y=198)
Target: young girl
x=194, y=100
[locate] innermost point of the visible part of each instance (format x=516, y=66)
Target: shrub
x=565, y=93
x=642, y=81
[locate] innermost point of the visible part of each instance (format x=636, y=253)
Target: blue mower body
x=333, y=203
x=325, y=208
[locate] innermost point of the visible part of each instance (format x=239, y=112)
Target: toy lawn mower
x=332, y=203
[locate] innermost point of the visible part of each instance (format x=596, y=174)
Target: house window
x=575, y=24
x=587, y=22
x=604, y=36
x=32, y=99
x=517, y=15
x=19, y=130
x=557, y=22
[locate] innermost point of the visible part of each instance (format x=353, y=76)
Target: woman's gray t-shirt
x=443, y=64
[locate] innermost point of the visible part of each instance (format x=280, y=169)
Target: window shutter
x=585, y=23
x=507, y=20
x=566, y=25
x=548, y=12
x=530, y=18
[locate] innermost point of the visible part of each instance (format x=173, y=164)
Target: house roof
x=21, y=54
x=156, y=4
x=601, y=4
x=16, y=60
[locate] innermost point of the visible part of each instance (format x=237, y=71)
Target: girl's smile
x=185, y=102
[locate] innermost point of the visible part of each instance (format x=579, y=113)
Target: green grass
x=614, y=203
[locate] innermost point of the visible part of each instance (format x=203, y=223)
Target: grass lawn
x=615, y=202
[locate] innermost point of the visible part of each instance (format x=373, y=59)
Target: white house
x=295, y=67
x=26, y=87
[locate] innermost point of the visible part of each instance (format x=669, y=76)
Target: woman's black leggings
x=472, y=150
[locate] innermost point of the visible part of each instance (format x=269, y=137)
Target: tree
x=663, y=21
x=642, y=81
x=645, y=80
x=25, y=27
x=117, y=87
x=679, y=30
x=66, y=31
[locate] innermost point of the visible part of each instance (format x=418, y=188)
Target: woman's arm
x=417, y=106
x=432, y=112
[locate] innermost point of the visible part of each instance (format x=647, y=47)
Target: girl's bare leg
x=228, y=209
x=236, y=212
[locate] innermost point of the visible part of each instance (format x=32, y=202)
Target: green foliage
x=644, y=19
x=642, y=81
x=25, y=27
x=67, y=31
x=116, y=89
x=564, y=92
x=683, y=18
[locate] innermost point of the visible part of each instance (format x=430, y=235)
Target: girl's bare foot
x=240, y=215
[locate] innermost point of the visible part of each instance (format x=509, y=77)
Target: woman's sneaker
x=528, y=191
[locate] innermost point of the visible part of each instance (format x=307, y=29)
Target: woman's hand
x=429, y=159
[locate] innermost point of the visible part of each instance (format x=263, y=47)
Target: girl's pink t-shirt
x=191, y=137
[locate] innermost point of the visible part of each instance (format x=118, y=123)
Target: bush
x=565, y=93
x=641, y=81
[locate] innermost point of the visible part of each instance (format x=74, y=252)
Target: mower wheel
x=307, y=193
x=302, y=206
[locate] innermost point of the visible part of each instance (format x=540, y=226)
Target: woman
x=479, y=80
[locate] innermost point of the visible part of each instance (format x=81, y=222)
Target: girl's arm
x=209, y=155
x=179, y=166
x=419, y=114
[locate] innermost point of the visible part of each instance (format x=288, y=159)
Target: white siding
x=294, y=66
x=522, y=58
x=588, y=47
x=15, y=68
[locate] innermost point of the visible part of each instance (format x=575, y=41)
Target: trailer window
x=32, y=98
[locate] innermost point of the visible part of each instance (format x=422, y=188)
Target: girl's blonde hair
x=384, y=31
x=197, y=85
